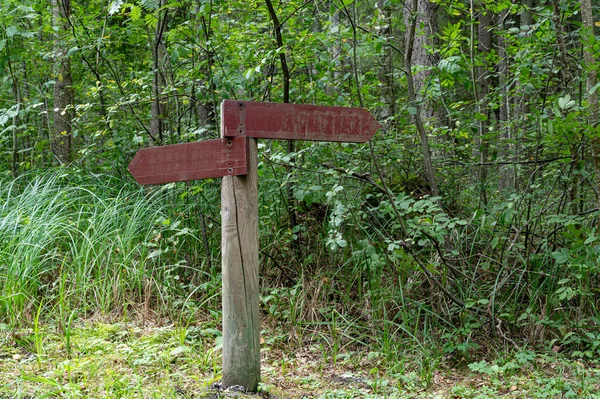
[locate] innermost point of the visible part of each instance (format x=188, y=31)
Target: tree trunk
x=482, y=89
x=507, y=178
x=15, y=123
x=336, y=50
x=64, y=112
x=158, y=108
x=386, y=71
x=425, y=22
x=416, y=54
x=526, y=16
x=206, y=111
x=591, y=66
x=286, y=99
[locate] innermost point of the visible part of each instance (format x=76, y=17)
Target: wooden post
x=239, y=232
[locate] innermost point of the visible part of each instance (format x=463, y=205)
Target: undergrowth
x=402, y=277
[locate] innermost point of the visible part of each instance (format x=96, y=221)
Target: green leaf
x=412, y=110
x=495, y=242
x=115, y=7
x=154, y=254
x=481, y=117
x=150, y=4
x=150, y=20
x=562, y=256
x=591, y=40
x=136, y=13
x=565, y=102
x=450, y=64
x=179, y=350
x=11, y=31
x=72, y=50
x=593, y=89
x=347, y=2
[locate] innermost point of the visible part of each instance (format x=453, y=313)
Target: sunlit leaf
x=11, y=31
x=115, y=7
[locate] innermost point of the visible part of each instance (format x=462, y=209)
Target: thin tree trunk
x=15, y=123
x=62, y=138
x=591, y=63
x=207, y=112
x=564, y=56
x=286, y=99
x=411, y=83
x=507, y=179
x=158, y=109
x=591, y=60
x=526, y=16
x=336, y=49
x=386, y=75
x=481, y=91
x=101, y=95
x=521, y=99
x=425, y=16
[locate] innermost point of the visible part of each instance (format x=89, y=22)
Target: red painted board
x=296, y=122
x=191, y=161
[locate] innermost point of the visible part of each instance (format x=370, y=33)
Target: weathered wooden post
x=239, y=243
x=234, y=157
x=241, y=318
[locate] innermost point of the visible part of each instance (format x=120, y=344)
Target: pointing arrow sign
x=190, y=161
x=297, y=122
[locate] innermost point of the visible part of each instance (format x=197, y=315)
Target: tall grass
x=91, y=243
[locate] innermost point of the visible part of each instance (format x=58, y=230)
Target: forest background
x=468, y=225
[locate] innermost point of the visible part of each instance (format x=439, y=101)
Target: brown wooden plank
x=297, y=122
x=190, y=161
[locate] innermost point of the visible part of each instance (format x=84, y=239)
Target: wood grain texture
x=296, y=122
x=241, y=322
x=190, y=161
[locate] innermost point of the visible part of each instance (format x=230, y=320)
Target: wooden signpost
x=234, y=157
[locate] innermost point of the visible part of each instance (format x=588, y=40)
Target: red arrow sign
x=190, y=161
x=296, y=122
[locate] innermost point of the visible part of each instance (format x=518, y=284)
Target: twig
x=509, y=162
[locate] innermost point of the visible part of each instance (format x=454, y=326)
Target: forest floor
x=94, y=359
